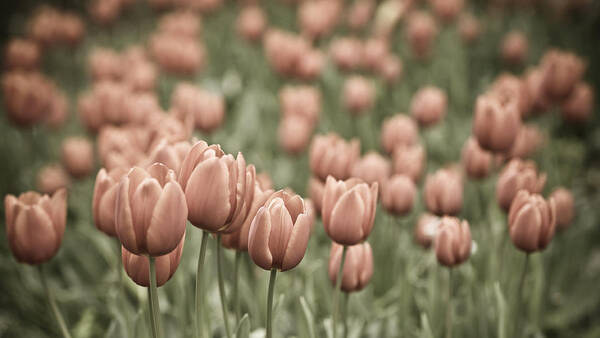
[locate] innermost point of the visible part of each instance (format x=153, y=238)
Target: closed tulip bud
x=27, y=97
x=509, y=87
x=421, y=30
x=453, y=241
x=428, y=106
x=332, y=155
x=398, y=194
x=303, y=101
x=534, y=82
x=409, y=160
x=280, y=232
x=317, y=18
x=177, y=54
x=375, y=51
x=528, y=141
x=515, y=47
x=565, y=207
x=21, y=54
x=531, y=221
x=360, y=13
x=447, y=10
x=496, y=123
x=562, y=71
x=264, y=181
x=105, y=64
x=476, y=161
x=105, y=12
x=284, y=50
x=518, y=175
x=104, y=199
x=138, y=266
x=180, y=23
x=347, y=53
x=310, y=65
x=426, y=229
x=294, y=133
x=444, y=192
x=358, y=266
x=398, y=130
x=251, y=23
x=468, y=27
x=218, y=188
x=35, y=225
x=206, y=108
x=170, y=155
x=348, y=210
x=58, y=111
x=316, y=187
x=578, y=106
x=372, y=168
x=359, y=95
x=78, y=156
x=390, y=68
x=51, y=178
x=150, y=211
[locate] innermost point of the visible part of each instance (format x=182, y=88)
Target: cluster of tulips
x=156, y=176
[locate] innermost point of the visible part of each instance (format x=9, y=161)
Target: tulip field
x=300, y=168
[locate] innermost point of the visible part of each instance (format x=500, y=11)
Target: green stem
x=55, y=310
x=200, y=286
x=151, y=313
x=519, y=300
x=345, y=314
x=154, y=306
x=336, y=292
x=449, y=309
x=222, y=285
x=236, y=296
x=270, y=303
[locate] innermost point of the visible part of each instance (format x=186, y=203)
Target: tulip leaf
x=243, y=328
x=308, y=316
x=501, y=311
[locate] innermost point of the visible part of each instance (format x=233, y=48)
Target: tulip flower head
x=496, y=122
x=562, y=71
x=443, y=192
x=251, y=23
x=515, y=48
x=358, y=266
x=565, y=207
x=428, y=106
x=331, y=155
x=426, y=229
x=453, y=242
x=105, y=198
x=399, y=129
x=476, y=161
x=398, y=194
x=409, y=160
x=371, y=168
x=518, y=175
x=78, y=156
x=579, y=105
x=531, y=221
x=51, y=178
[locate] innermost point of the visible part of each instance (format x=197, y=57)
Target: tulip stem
x=200, y=286
x=236, y=299
x=519, y=300
x=449, y=304
x=270, y=303
x=345, y=314
x=222, y=285
x=336, y=292
x=153, y=301
x=52, y=301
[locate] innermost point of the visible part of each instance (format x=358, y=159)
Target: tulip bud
x=35, y=225
x=170, y=155
x=428, y=106
x=509, y=87
x=138, y=266
x=284, y=51
x=360, y=13
x=303, y=101
x=531, y=221
x=104, y=199
x=421, y=30
x=317, y=18
x=409, y=160
x=426, y=229
x=78, y=156
x=105, y=64
x=390, y=68
x=359, y=95
x=280, y=232
x=476, y=161
x=331, y=155
x=469, y=29
x=444, y=192
x=177, y=54
x=218, y=188
x=372, y=168
x=310, y=64
x=21, y=54
x=562, y=71
x=347, y=53
x=527, y=142
x=27, y=97
x=180, y=23
x=150, y=211
x=565, y=207
x=518, y=175
x=496, y=123
x=515, y=47
x=294, y=134
x=316, y=187
x=398, y=129
x=578, y=106
x=447, y=10
x=207, y=108
x=348, y=210
x=51, y=178
x=375, y=51
x=453, y=241
x=398, y=194
x=534, y=82
x=58, y=111
x=358, y=266
x=251, y=23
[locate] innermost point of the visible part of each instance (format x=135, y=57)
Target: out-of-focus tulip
x=390, y=68
x=348, y=210
x=468, y=27
x=347, y=53
x=531, y=221
x=204, y=6
x=207, y=108
x=280, y=232
x=496, y=123
x=49, y=26
x=35, y=225
x=78, y=156
x=105, y=64
x=518, y=175
x=398, y=130
x=316, y=187
x=105, y=12
x=104, y=199
x=168, y=154
x=51, y=178
x=515, y=47
x=409, y=160
x=421, y=30
x=371, y=168
x=319, y=17
x=27, y=97
x=304, y=101
x=105, y=104
x=447, y=10
x=21, y=54
x=72, y=29
x=150, y=211
x=310, y=64
x=534, y=81
x=528, y=141
x=359, y=95
x=426, y=229
x=58, y=111
x=578, y=106
x=138, y=266
x=453, y=241
x=284, y=50
x=121, y=146
x=509, y=87
x=375, y=51
x=294, y=133
x=180, y=23
x=443, y=192
x=398, y=194
x=251, y=23
x=360, y=13
x=358, y=266
x=177, y=54
x=332, y=155
x=428, y=106
x=476, y=161
x=264, y=181
x=565, y=207
x=562, y=71
x=218, y=188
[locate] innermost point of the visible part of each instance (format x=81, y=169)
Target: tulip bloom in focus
x=531, y=221
x=453, y=242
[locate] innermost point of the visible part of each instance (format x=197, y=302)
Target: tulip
x=360, y=13
x=562, y=71
x=453, y=241
x=78, y=156
x=170, y=155
x=21, y=54
x=398, y=194
x=348, y=210
x=51, y=178
x=429, y=105
x=104, y=199
x=579, y=106
x=518, y=175
x=294, y=133
x=469, y=28
x=138, y=266
x=374, y=52
x=105, y=12
x=527, y=142
x=515, y=47
x=531, y=221
x=565, y=207
x=534, y=81
x=447, y=10
x=35, y=225
x=421, y=30
x=318, y=18
x=105, y=64
x=207, y=108
x=310, y=65
x=358, y=266
x=150, y=211
x=331, y=155
x=181, y=23
x=496, y=123
x=177, y=54
x=409, y=161
x=279, y=232
x=443, y=192
x=316, y=187
x=303, y=101
x=347, y=53
x=476, y=161
x=251, y=23
x=359, y=95
x=141, y=76
x=372, y=168
x=58, y=111
x=426, y=229
x=390, y=68
x=27, y=97
x=398, y=129
x=509, y=87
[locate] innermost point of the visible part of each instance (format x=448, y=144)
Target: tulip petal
x=347, y=219
x=34, y=236
x=167, y=225
x=258, y=239
x=526, y=229
x=190, y=161
x=281, y=229
x=123, y=218
x=297, y=243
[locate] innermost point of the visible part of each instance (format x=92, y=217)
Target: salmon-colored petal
x=136, y=175
x=366, y=271
x=190, y=162
x=519, y=201
x=347, y=219
x=123, y=218
x=525, y=232
x=143, y=204
x=444, y=244
x=297, y=243
x=167, y=225
x=102, y=184
x=295, y=206
x=106, y=211
x=34, y=236
x=10, y=204
x=332, y=193
x=258, y=239
x=281, y=230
